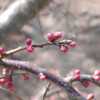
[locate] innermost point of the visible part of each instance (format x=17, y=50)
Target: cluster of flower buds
x=7, y=79
x=96, y=75
x=86, y=84
x=30, y=48
x=55, y=36
x=77, y=77
x=77, y=74
x=42, y=77
x=58, y=35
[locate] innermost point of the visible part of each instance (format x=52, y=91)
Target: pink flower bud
x=85, y=84
x=5, y=71
x=10, y=85
x=64, y=49
x=50, y=36
x=97, y=73
x=77, y=77
x=42, y=77
x=57, y=35
x=1, y=51
x=28, y=41
x=30, y=48
x=96, y=78
x=90, y=96
x=77, y=71
x=2, y=81
x=25, y=77
x=73, y=44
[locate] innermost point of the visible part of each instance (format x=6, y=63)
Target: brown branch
x=10, y=93
x=71, y=80
x=40, y=45
x=89, y=78
x=18, y=14
x=19, y=65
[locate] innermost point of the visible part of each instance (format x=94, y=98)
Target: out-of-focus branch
x=38, y=17
x=19, y=13
x=26, y=66
x=10, y=93
x=5, y=6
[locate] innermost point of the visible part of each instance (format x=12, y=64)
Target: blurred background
x=78, y=20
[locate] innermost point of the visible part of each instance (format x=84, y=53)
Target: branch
x=26, y=66
x=47, y=89
x=40, y=45
x=83, y=78
x=18, y=14
x=5, y=6
x=10, y=93
x=14, y=74
x=71, y=79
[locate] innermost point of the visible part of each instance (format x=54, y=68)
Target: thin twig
x=10, y=93
x=40, y=45
x=13, y=75
x=49, y=93
x=47, y=89
x=89, y=78
x=38, y=17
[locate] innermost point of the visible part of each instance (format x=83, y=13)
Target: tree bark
x=18, y=14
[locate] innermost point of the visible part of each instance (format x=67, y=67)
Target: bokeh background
x=78, y=20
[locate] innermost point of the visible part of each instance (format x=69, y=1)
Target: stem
x=13, y=74
x=10, y=93
x=47, y=89
x=40, y=45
